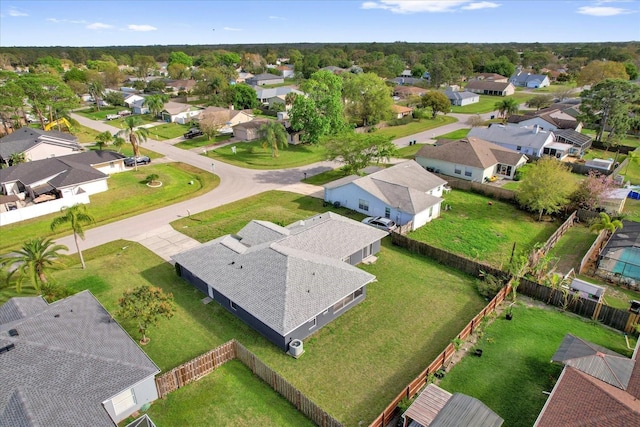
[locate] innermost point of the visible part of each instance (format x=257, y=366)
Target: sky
x=157, y=22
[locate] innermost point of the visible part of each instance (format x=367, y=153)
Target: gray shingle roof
x=485, y=85
x=68, y=358
x=470, y=151
x=594, y=360
x=511, y=135
x=455, y=95
x=62, y=171
x=289, y=280
x=25, y=138
x=19, y=308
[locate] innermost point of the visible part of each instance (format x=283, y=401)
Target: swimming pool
x=628, y=263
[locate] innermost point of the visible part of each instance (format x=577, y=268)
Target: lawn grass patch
x=487, y=103
x=168, y=131
x=416, y=126
x=93, y=114
x=230, y=395
x=252, y=155
x=456, y=134
x=483, y=229
x=514, y=368
x=631, y=210
x=409, y=152
x=84, y=134
x=572, y=246
x=201, y=141
x=127, y=196
x=324, y=177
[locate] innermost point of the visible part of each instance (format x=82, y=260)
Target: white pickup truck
x=112, y=116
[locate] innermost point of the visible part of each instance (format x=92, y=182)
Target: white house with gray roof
x=524, y=79
x=405, y=192
x=69, y=363
x=532, y=141
x=37, y=144
x=285, y=282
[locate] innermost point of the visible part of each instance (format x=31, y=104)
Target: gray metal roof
x=581, y=285
x=68, y=358
x=463, y=410
x=25, y=138
x=513, y=135
x=594, y=360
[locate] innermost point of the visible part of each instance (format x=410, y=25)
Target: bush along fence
x=440, y=362
x=206, y=363
x=593, y=251
x=477, y=187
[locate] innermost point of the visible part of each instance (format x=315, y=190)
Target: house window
x=347, y=300
x=387, y=212
x=468, y=172
x=112, y=165
x=124, y=401
x=358, y=293
x=232, y=305
x=518, y=148
x=313, y=323
x=430, y=211
x=363, y=205
x=457, y=169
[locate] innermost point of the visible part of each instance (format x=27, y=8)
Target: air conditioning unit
x=295, y=348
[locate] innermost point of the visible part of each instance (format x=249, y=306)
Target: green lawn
x=252, y=155
x=168, y=131
x=514, y=369
x=127, y=196
x=456, y=134
x=596, y=153
x=416, y=126
x=230, y=395
x=572, y=247
x=487, y=103
x=201, y=141
x=628, y=140
x=631, y=210
x=93, y=114
x=409, y=152
x=483, y=232
x=324, y=177
x=84, y=134
x=143, y=118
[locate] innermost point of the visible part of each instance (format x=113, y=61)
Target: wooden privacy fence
x=553, y=239
x=206, y=363
x=477, y=187
x=439, y=362
x=593, y=251
x=195, y=369
x=285, y=389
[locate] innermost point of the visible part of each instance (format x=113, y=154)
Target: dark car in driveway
x=192, y=133
x=141, y=160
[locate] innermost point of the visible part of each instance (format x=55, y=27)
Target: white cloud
x=232, y=29
x=602, y=11
x=277, y=18
x=481, y=5
x=16, y=12
x=99, y=26
x=409, y=6
x=66, y=21
x=144, y=27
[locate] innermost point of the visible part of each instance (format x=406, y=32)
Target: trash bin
x=493, y=117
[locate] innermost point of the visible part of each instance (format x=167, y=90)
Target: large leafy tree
x=76, y=216
x=33, y=261
x=357, y=150
x=47, y=94
x=367, y=98
x=274, y=136
x=210, y=121
x=506, y=107
x=437, y=101
x=180, y=58
x=321, y=112
x=597, y=71
x=134, y=134
x=607, y=105
x=502, y=66
x=546, y=187
x=243, y=97
x=143, y=64
x=146, y=305
x=11, y=101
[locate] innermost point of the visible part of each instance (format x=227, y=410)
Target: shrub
x=400, y=122
x=489, y=286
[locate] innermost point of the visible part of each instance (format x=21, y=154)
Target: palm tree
x=118, y=142
x=33, y=260
x=289, y=99
x=135, y=135
x=274, y=135
x=76, y=216
x=103, y=139
x=17, y=158
x=507, y=107
x=95, y=89
x=155, y=103
x=606, y=223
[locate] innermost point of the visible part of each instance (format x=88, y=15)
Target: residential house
x=490, y=88
x=264, y=79
x=242, y=77
x=176, y=112
x=462, y=98
x=286, y=70
x=405, y=192
x=406, y=73
x=139, y=107
x=131, y=98
x=400, y=111
x=285, y=282
x=551, y=118
x=410, y=81
x=231, y=116
x=69, y=363
x=267, y=95
x=524, y=79
x=436, y=407
x=248, y=131
x=177, y=86
x=470, y=158
x=407, y=91
x=491, y=77
x=531, y=141
x=37, y=144
x=597, y=387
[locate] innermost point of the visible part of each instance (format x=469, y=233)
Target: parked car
x=112, y=116
x=380, y=222
x=192, y=133
x=141, y=160
x=124, y=113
